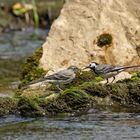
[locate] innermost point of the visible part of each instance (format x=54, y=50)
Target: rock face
x=73, y=37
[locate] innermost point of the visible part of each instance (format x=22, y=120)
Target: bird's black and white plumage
x=64, y=76
x=107, y=71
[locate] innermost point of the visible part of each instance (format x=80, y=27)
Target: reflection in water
x=97, y=124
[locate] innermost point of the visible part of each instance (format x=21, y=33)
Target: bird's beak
x=87, y=67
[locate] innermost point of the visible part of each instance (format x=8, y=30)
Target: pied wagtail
x=64, y=76
x=107, y=71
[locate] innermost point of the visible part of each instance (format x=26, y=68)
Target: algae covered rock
x=62, y=39
x=48, y=88
x=72, y=100
x=31, y=70
x=68, y=101
x=78, y=96
x=95, y=89
x=29, y=107
x=7, y=106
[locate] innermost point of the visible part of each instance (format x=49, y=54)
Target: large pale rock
x=72, y=39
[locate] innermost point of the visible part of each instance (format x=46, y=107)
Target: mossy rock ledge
x=74, y=99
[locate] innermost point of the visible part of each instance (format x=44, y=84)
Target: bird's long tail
x=126, y=67
x=37, y=81
x=40, y=81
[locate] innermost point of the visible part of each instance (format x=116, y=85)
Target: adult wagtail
x=64, y=76
x=107, y=71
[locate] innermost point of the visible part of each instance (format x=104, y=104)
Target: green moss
x=29, y=107
x=55, y=105
x=134, y=91
x=71, y=100
x=81, y=77
x=18, y=92
x=31, y=70
x=80, y=95
x=84, y=76
x=104, y=39
x=98, y=79
x=7, y=106
x=135, y=77
x=95, y=89
x=76, y=99
x=119, y=92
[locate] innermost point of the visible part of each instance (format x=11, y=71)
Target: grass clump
x=104, y=39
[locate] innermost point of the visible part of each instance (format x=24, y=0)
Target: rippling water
x=94, y=125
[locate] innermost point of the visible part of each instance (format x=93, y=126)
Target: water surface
x=94, y=125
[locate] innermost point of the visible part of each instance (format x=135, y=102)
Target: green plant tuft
x=135, y=77
x=104, y=39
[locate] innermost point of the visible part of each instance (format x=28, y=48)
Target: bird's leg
x=107, y=81
x=113, y=79
x=58, y=87
x=42, y=84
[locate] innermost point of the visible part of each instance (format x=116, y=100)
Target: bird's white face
x=93, y=65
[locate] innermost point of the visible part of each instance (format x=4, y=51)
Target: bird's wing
x=61, y=75
x=118, y=68
x=104, y=68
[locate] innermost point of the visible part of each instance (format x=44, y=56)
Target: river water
x=94, y=125
x=97, y=124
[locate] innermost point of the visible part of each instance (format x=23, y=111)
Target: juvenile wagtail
x=64, y=76
x=107, y=71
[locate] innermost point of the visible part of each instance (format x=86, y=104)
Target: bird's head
x=92, y=65
x=74, y=68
